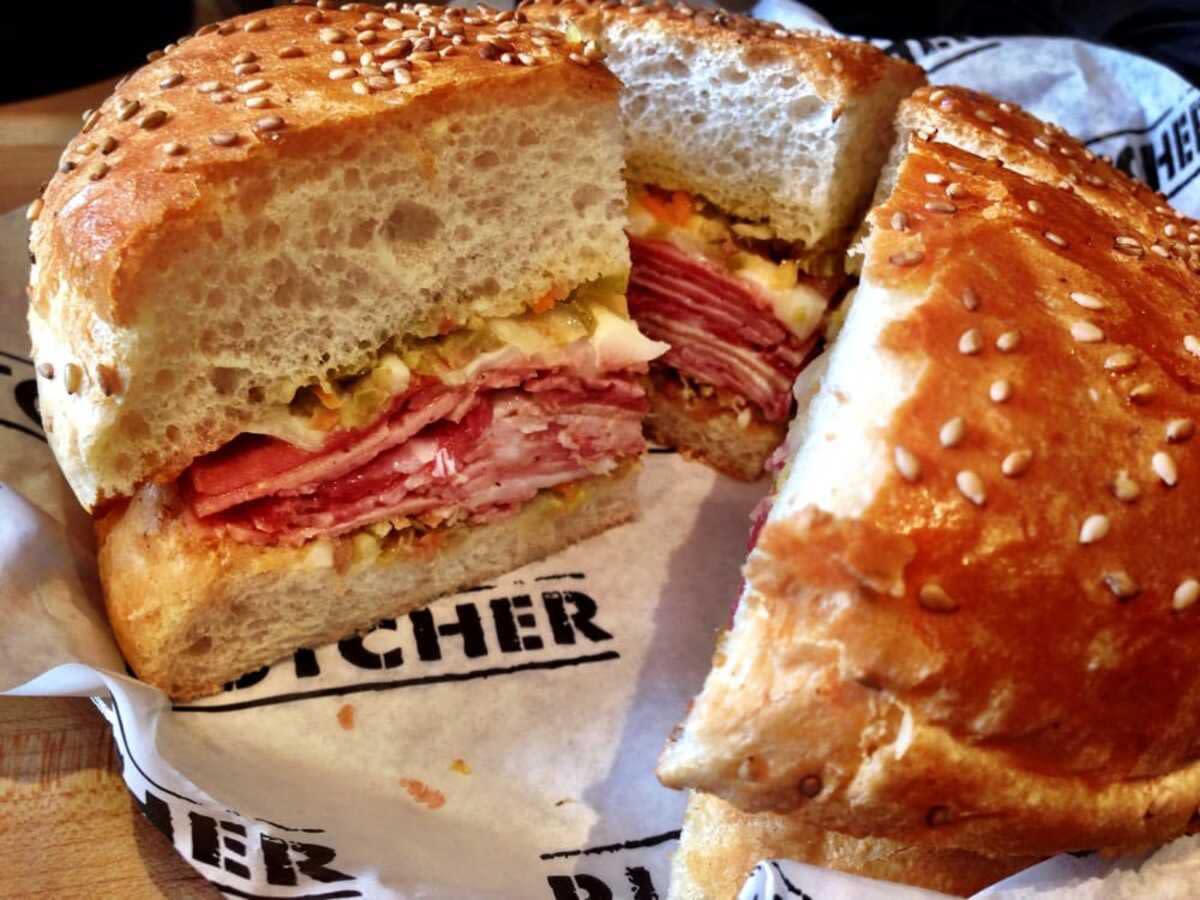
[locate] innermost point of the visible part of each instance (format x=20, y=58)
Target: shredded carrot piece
x=328, y=399
x=674, y=211
x=324, y=419
x=547, y=301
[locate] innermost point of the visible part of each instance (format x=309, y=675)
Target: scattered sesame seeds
x=1160, y=250
x=1164, y=467
x=971, y=486
x=342, y=73
x=1087, y=301
x=952, y=432
x=153, y=119
x=970, y=342
x=380, y=83
x=1122, y=586
x=1187, y=593
x=1180, y=430
x=1055, y=238
x=941, y=206
x=333, y=36
x=934, y=178
x=970, y=300
x=1121, y=361
x=258, y=101
x=955, y=189
x=1001, y=390
x=254, y=84
x=207, y=87
x=367, y=37
x=172, y=80
x=899, y=221
x=1095, y=527
x=1191, y=344
x=1086, y=332
x=1143, y=393
x=934, y=598
x=72, y=378
x=402, y=76
x=1008, y=342
x=1035, y=207
x=1125, y=488
x=907, y=465
x=1128, y=245
x=268, y=123
x=1016, y=463
x=906, y=258
x=223, y=138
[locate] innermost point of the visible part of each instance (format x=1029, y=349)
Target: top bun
x=272, y=198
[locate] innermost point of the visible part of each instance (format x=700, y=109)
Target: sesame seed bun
x=973, y=607
x=769, y=124
x=275, y=196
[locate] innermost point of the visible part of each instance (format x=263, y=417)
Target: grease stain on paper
x=431, y=798
x=345, y=716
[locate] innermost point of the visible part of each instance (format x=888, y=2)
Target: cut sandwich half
x=971, y=616
x=330, y=333
x=752, y=151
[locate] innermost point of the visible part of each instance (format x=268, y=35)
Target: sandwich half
x=328, y=314
x=752, y=151
x=971, y=618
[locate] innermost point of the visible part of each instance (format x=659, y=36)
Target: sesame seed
x=1191, y=344
x=1000, y=390
x=154, y=55
x=1008, y=342
x=1125, y=488
x=1122, y=586
x=393, y=24
x=254, y=84
x=314, y=18
x=1042, y=144
x=380, y=83
x=367, y=37
x=1187, y=593
x=1170, y=229
x=46, y=370
x=206, y=29
x=935, y=599
x=153, y=119
x=268, y=124
x=934, y=178
x=1006, y=107
x=970, y=300
x=1164, y=467
x=573, y=57
x=223, y=138
x=1086, y=332
x=1128, y=245
x=1055, y=238
x=952, y=432
x=937, y=95
x=360, y=88
x=108, y=379
x=66, y=166
x=960, y=169
x=941, y=206
x=1087, y=301
x=971, y=486
x=1094, y=528
x=1180, y=430
x=342, y=73
x=171, y=81
x=955, y=189
x=290, y=52
x=207, y=87
x=906, y=258
x=90, y=119
x=1035, y=207
x=73, y=378
x=174, y=148
x=1143, y=393
x=1121, y=361
x=35, y=209
x=907, y=465
x=970, y=342
x=258, y=102
x=1001, y=132
x=221, y=97
x=899, y=221
x=1160, y=250
x=1016, y=463
x=255, y=25
x=99, y=171
x=246, y=56
x=333, y=35
x=126, y=110
x=402, y=76
x=108, y=145
x=246, y=69
x=525, y=59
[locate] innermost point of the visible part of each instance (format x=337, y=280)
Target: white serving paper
x=501, y=744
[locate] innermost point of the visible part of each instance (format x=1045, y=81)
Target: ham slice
x=721, y=331
x=476, y=451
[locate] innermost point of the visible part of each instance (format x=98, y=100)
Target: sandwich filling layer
x=735, y=305
x=465, y=428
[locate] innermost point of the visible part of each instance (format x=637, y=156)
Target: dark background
x=51, y=47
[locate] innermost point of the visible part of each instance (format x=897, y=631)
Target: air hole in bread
x=352, y=178
x=697, y=118
x=410, y=222
x=225, y=379
x=486, y=159
x=361, y=233
x=527, y=138
x=804, y=108
x=734, y=75
x=676, y=67
x=164, y=379
x=215, y=298
x=172, y=434
x=199, y=647
x=587, y=195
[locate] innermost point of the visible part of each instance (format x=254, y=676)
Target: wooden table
x=68, y=827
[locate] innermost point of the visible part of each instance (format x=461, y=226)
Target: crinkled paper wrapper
x=502, y=744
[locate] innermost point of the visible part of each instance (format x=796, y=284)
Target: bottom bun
x=720, y=845
x=707, y=430
x=192, y=609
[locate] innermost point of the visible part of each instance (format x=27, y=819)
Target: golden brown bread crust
x=101, y=232
x=840, y=70
x=996, y=653
x=720, y=844
x=192, y=609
